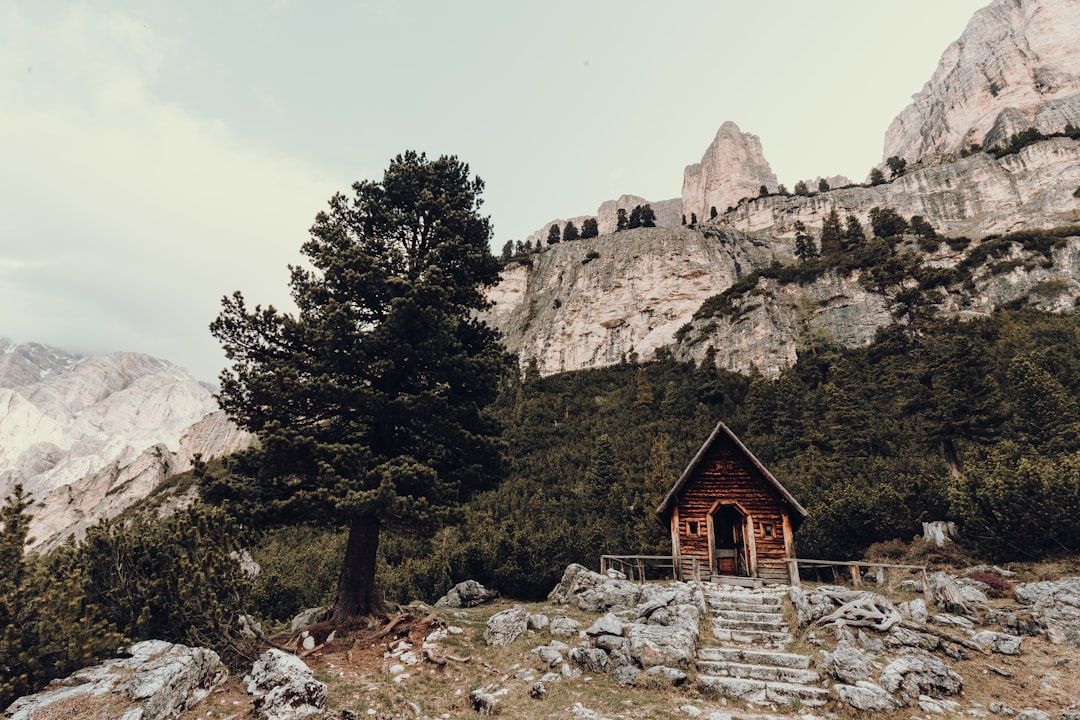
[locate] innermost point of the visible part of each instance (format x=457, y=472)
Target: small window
x=767, y=529
x=692, y=527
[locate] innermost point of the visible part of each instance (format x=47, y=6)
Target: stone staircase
x=750, y=667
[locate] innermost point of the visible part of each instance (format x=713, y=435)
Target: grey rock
x=866, y=696
x=284, y=687
x=669, y=675
x=625, y=674
x=507, y=626
x=661, y=616
x=1000, y=708
x=550, y=678
x=547, y=655
x=847, y=664
x=920, y=674
x=568, y=672
x=483, y=702
x=308, y=617
x=998, y=642
x=607, y=624
x=538, y=621
x=952, y=596
x=562, y=626
x=466, y=594
x=937, y=706
x=912, y=586
x=592, y=659
x=612, y=643
x=157, y=681
x=671, y=645
x=1069, y=715
x=1055, y=606
x=869, y=642
x=914, y=610
x=538, y=691
x=1032, y=714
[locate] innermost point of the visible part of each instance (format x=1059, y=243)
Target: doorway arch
x=731, y=540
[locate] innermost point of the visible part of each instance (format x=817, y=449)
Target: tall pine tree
x=369, y=403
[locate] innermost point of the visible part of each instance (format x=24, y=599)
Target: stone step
x=754, y=657
x=752, y=637
x=729, y=606
x=775, y=624
x=744, y=597
x=759, y=691
x=750, y=616
x=757, y=672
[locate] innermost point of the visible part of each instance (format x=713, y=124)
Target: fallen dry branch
x=931, y=630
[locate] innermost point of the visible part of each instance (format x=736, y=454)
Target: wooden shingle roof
x=670, y=500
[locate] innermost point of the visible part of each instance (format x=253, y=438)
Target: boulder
x=920, y=674
x=1002, y=643
x=158, y=680
x=483, y=702
x=285, y=687
x=592, y=659
x=547, y=655
x=866, y=696
x=307, y=617
x=847, y=663
x=1055, y=606
x=466, y=594
x=671, y=645
x=625, y=674
x=914, y=610
x=608, y=624
x=666, y=675
x=538, y=621
x=562, y=626
x=1000, y=708
x=507, y=626
x=1033, y=714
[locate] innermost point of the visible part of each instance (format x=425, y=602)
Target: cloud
x=126, y=216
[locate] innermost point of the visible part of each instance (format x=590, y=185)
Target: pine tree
x=876, y=177
x=823, y=185
x=553, y=235
x=621, y=221
x=801, y=188
x=635, y=217
x=369, y=403
x=589, y=228
x=570, y=232
x=805, y=249
x=854, y=235
x=648, y=217
x=832, y=234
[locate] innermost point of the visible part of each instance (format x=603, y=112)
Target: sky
x=158, y=155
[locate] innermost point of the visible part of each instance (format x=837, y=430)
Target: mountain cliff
x=1015, y=66
x=86, y=436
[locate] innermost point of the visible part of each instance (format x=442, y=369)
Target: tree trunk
x=357, y=596
x=952, y=458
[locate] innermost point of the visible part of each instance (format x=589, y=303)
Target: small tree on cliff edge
x=370, y=402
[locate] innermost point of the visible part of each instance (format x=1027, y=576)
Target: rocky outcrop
x=284, y=687
x=732, y=168
x=88, y=436
x=971, y=196
x=596, y=302
x=156, y=680
x=668, y=212
x=1016, y=65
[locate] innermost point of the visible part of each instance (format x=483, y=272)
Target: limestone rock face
x=571, y=311
x=157, y=680
x=87, y=436
x=541, y=235
x=1016, y=65
x=668, y=212
x=732, y=168
x=973, y=196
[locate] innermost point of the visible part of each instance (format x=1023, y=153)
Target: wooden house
x=730, y=517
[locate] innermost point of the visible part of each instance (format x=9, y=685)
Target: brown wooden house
x=731, y=514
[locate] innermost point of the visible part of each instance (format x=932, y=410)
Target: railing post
x=856, y=577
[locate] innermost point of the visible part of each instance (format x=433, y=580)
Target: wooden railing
x=636, y=567
x=853, y=569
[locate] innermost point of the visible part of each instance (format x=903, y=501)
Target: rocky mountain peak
x=1016, y=66
x=733, y=167
x=87, y=436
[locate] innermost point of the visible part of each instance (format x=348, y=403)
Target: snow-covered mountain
x=88, y=435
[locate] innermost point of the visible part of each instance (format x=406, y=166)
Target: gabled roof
x=669, y=500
